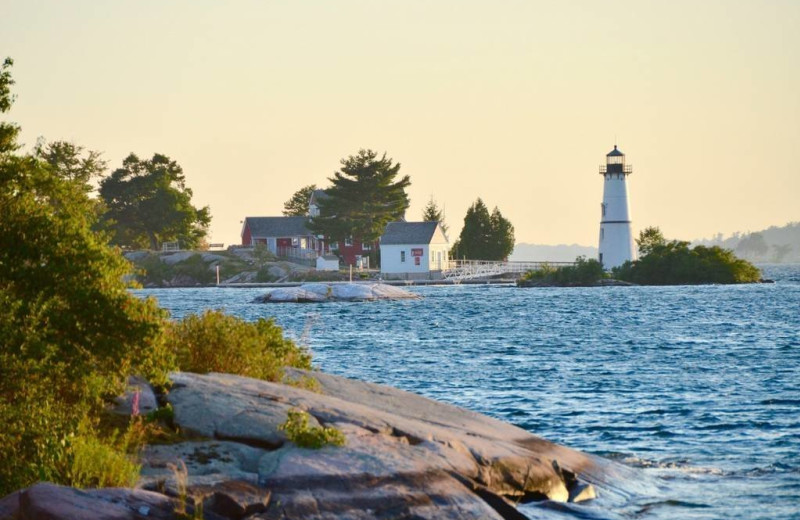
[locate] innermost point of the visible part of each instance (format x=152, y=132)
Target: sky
x=513, y=101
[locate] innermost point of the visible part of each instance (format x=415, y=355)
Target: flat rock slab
x=324, y=292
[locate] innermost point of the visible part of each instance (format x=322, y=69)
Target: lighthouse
x=616, y=241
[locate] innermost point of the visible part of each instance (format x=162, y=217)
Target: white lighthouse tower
x=616, y=241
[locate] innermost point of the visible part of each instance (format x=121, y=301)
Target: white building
x=414, y=250
x=616, y=240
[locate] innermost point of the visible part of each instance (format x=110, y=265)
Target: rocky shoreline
x=405, y=456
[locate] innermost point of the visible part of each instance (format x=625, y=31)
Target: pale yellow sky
x=513, y=101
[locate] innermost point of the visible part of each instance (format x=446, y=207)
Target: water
x=699, y=386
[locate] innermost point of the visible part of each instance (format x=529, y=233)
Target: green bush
x=299, y=432
x=676, y=263
x=217, y=342
x=70, y=332
x=583, y=272
x=99, y=463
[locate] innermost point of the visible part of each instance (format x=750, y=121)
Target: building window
x=402, y=256
x=348, y=241
x=603, y=206
x=366, y=247
x=602, y=233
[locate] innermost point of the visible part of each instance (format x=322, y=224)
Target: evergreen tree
x=297, y=206
x=502, y=236
x=148, y=203
x=362, y=199
x=484, y=236
x=474, y=238
x=432, y=213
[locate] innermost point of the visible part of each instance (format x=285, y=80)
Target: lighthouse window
x=603, y=206
x=602, y=232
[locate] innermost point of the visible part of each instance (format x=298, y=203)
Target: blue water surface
x=697, y=385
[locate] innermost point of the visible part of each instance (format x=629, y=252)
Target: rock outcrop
x=325, y=292
x=405, y=457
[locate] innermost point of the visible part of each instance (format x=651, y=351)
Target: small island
x=661, y=262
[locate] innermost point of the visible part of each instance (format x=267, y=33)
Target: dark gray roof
x=277, y=226
x=614, y=152
x=409, y=232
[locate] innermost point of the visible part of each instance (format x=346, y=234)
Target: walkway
x=459, y=270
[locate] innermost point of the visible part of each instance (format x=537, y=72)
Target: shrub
x=675, y=263
x=583, y=272
x=99, y=463
x=70, y=332
x=217, y=342
x=299, y=432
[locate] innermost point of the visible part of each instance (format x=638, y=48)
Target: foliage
x=584, y=272
x=297, y=206
x=649, y=239
x=8, y=131
x=70, y=332
x=99, y=463
x=484, y=236
x=71, y=162
x=363, y=198
x=299, y=432
x=432, y=213
x=148, y=203
x=675, y=263
x=217, y=342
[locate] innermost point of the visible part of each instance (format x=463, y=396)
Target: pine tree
x=484, y=236
x=432, y=213
x=362, y=199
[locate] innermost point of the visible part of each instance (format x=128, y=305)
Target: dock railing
x=458, y=270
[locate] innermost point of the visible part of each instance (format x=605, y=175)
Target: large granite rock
x=406, y=456
x=322, y=292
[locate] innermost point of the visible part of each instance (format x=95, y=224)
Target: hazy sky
x=513, y=101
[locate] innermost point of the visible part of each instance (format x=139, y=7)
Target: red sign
x=416, y=252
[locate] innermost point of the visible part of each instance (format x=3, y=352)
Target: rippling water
x=699, y=385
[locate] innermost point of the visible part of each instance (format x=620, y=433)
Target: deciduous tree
x=149, y=203
x=297, y=206
x=72, y=162
x=649, y=238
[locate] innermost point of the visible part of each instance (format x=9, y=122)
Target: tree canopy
x=70, y=332
x=674, y=262
x=297, y=205
x=149, y=203
x=72, y=162
x=649, y=239
x=364, y=196
x=484, y=236
x=432, y=213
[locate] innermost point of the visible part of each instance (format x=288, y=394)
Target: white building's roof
x=397, y=233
